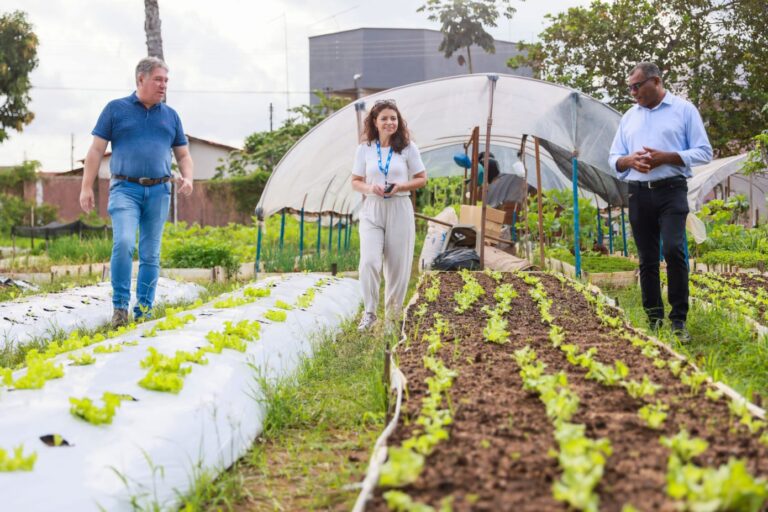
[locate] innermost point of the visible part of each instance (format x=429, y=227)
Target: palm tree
x=152, y=28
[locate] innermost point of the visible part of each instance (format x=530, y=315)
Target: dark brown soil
x=497, y=455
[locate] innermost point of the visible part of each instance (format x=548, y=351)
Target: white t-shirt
x=402, y=167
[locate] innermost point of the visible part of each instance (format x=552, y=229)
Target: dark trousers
x=660, y=214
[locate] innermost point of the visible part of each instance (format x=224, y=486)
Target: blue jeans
x=133, y=206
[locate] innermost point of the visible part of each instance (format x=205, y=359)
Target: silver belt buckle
x=145, y=181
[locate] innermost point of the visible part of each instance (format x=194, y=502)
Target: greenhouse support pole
x=338, y=233
x=525, y=231
x=624, y=232
x=259, y=221
x=575, y=180
x=347, y=231
x=474, y=170
x=301, y=228
x=514, y=225
x=542, y=259
x=610, y=231
x=599, y=228
x=322, y=202
x=576, y=242
x=330, y=232
x=301, y=233
x=493, y=79
x=282, y=228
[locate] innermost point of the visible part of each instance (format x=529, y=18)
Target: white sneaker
x=366, y=322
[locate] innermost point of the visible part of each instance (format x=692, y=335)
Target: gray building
x=382, y=58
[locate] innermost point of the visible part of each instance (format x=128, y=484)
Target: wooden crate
x=493, y=219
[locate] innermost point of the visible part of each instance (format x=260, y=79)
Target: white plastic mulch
x=157, y=446
x=86, y=307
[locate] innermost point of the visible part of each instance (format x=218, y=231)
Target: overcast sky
x=227, y=60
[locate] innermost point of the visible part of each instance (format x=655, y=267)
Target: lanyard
x=384, y=169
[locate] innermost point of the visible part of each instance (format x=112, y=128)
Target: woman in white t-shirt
x=387, y=168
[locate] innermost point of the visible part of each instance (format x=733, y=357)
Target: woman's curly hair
x=400, y=139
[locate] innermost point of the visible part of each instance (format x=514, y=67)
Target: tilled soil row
x=750, y=284
x=611, y=412
x=497, y=457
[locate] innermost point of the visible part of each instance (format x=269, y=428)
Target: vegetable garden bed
x=741, y=293
x=536, y=396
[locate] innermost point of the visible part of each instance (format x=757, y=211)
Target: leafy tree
x=18, y=57
x=152, y=29
x=757, y=160
x=711, y=52
x=463, y=21
x=263, y=150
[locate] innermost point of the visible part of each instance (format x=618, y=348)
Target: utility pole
x=71, y=151
x=271, y=110
x=287, y=86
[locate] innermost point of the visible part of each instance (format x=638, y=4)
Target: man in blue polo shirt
x=143, y=131
x=658, y=141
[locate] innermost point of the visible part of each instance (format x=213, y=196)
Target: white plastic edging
x=157, y=447
x=732, y=393
x=87, y=307
x=379, y=452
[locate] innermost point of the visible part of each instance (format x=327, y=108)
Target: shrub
x=202, y=253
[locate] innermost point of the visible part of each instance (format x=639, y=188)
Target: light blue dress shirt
x=672, y=125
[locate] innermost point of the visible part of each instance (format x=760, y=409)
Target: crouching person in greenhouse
x=387, y=168
x=143, y=130
x=658, y=141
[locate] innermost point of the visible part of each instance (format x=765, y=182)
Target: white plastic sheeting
x=159, y=444
x=707, y=177
x=315, y=172
x=87, y=307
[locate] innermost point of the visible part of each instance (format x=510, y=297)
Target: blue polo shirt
x=141, y=138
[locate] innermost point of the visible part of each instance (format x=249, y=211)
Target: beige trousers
x=387, y=236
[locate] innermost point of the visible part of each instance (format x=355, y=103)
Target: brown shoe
x=119, y=318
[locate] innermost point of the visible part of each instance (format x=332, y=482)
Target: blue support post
x=576, y=244
x=349, y=230
x=514, y=226
x=282, y=228
x=258, y=249
x=259, y=224
x=319, y=230
x=330, y=233
x=624, y=233
x=599, y=229
x=610, y=232
x=338, y=238
x=301, y=233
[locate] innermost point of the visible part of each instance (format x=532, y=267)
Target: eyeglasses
x=637, y=85
x=384, y=102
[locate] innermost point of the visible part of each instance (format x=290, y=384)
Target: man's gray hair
x=147, y=65
x=648, y=69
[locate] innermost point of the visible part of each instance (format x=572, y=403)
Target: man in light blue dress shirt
x=658, y=141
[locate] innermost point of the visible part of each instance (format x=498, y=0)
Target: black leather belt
x=147, y=182
x=674, y=181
